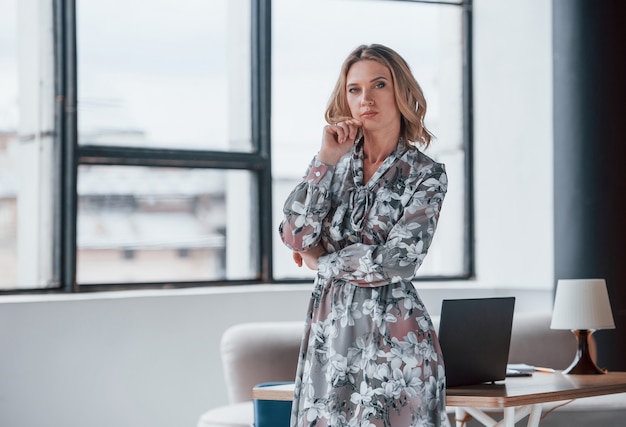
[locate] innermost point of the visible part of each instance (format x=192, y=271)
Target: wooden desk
x=274, y=392
x=522, y=396
x=516, y=397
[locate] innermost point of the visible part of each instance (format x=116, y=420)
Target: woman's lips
x=368, y=114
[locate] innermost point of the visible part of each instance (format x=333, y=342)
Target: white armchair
x=253, y=353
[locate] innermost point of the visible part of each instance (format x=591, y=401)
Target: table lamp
x=582, y=306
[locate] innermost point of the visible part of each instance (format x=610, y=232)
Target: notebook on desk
x=475, y=336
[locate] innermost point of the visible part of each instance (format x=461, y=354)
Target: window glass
x=306, y=63
x=9, y=119
x=164, y=74
x=145, y=225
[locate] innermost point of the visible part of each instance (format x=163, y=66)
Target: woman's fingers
x=340, y=132
x=310, y=257
x=354, y=129
x=297, y=258
x=347, y=130
x=334, y=140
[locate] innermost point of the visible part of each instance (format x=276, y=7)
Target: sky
x=169, y=70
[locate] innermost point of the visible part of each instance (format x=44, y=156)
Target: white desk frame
x=511, y=415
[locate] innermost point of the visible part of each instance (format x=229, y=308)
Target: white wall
x=123, y=359
x=151, y=358
x=513, y=143
x=138, y=358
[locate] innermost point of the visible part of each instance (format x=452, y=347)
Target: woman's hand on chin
x=338, y=139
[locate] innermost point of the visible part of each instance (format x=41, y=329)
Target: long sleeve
x=306, y=207
x=406, y=245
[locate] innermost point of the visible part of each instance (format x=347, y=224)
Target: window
x=9, y=119
x=174, y=84
x=140, y=224
x=158, y=151
x=170, y=75
x=309, y=45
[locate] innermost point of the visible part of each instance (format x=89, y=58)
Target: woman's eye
x=380, y=85
x=353, y=90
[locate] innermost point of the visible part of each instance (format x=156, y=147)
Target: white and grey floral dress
x=370, y=355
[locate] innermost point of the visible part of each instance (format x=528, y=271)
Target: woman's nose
x=366, y=99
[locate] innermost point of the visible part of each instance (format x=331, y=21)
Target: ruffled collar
x=357, y=163
x=361, y=196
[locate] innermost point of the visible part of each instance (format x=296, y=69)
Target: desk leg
x=535, y=415
x=459, y=416
x=509, y=416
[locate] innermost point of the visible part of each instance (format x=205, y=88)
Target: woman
x=364, y=217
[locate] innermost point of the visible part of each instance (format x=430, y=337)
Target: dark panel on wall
x=590, y=154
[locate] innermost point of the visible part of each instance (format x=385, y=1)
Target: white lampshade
x=582, y=304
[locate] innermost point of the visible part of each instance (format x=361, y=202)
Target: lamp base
x=583, y=364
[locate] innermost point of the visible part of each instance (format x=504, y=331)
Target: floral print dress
x=369, y=355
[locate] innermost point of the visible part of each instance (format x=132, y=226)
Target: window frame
x=69, y=155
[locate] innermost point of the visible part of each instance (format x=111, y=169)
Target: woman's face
x=370, y=94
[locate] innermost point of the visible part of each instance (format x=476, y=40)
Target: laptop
x=475, y=336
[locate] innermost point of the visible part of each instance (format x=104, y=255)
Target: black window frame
x=69, y=155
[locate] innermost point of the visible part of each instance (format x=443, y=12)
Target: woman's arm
x=306, y=207
x=309, y=203
x=406, y=246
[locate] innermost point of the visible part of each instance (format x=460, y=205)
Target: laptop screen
x=475, y=336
